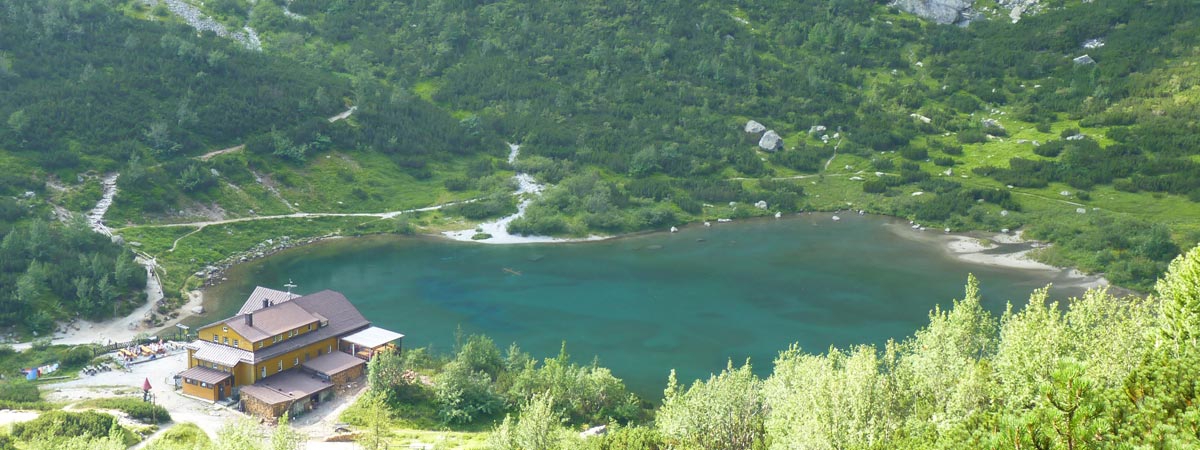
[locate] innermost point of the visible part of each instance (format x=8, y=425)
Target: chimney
x=266, y=303
x=250, y=319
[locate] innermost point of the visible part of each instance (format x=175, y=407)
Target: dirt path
x=210, y=155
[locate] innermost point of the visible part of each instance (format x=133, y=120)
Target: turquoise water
x=645, y=304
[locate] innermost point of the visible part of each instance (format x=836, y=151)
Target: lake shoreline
x=1009, y=251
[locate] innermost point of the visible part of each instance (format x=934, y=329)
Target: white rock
x=674, y=230
x=1065, y=193
x=761, y=204
x=198, y=310
x=754, y=127
x=914, y=194
x=770, y=141
x=856, y=178
x=1083, y=60
x=836, y=218
x=1003, y=212
x=1081, y=210
x=816, y=129
x=707, y=223
x=778, y=214
x=920, y=117
x=724, y=220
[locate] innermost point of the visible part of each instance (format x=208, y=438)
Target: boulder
x=198, y=310
x=761, y=204
x=992, y=123
x=940, y=11
x=1085, y=59
x=755, y=127
x=816, y=129
x=770, y=141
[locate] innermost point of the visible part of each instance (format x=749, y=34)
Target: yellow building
x=282, y=352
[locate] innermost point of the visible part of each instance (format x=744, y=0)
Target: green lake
x=648, y=303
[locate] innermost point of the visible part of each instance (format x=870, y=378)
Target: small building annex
x=283, y=352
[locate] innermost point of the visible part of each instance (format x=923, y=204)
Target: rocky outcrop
x=754, y=127
x=940, y=11
x=770, y=141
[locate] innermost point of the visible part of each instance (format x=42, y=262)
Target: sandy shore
x=1010, y=251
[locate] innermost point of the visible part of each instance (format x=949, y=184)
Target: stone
x=1093, y=43
x=761, y=204
x=992, y=123
x=1004, y=230
x=1081, y=210
x=755, y=127
x=778, y=214
x=674, y=230
x=1076, y=137
x=920, y=117
x=816, y=129
x=940, y=11
x=198, y=310
x=856, y=178
x=770, y=141
x=836, y=218
x=594, y=431
x=1065, y=193
x=117, y=239
x=914, y=194
x=1004, y=212
x=1084, y=60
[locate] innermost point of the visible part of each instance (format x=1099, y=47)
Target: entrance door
x=220, y=391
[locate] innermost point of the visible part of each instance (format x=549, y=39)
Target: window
x=263, y=374
x=226, y=340
x=216, y=338
x=310, y=327
x=330, y=349
x=224, y=329
x=260, y=344
x=280, y=368
x=276, y=338
x=295, y=361
x=235, y=342
x=203, y=384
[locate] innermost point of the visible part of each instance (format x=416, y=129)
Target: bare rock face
x=770, y=141
x=754, y=127
x=940, y=11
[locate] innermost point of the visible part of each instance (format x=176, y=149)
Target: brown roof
x=255, y=301
x=286, y=386
x=329, y=307
x=271, y=321
x=334, y=363
x=205, y=374
x=342, y=318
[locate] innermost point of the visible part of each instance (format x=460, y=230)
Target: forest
x=635, y=110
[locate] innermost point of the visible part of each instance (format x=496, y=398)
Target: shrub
x=944, y=161
x=915, y=154
x=77, y=356
x=1049, y=149
x=136, y=408
x=19, y=391
x=61, y=424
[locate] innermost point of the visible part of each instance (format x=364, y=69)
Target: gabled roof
x=336, y=314
x=255, y=301
x=271, y=321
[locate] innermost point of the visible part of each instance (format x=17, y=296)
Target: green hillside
x=633, y=112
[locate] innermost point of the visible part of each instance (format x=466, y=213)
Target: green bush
x=55, y=425
x=136, y=408
x=19, y=391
